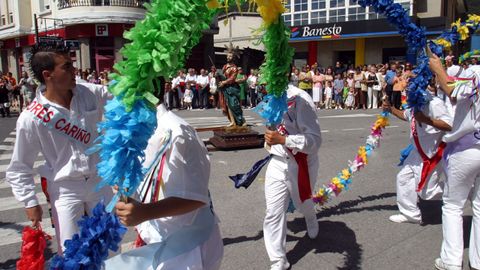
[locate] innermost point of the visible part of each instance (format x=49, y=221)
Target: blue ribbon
x=405, y=153
x=246, y=179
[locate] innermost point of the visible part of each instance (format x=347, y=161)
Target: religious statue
x=231, y=91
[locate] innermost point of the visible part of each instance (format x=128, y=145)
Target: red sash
x=429, y=164
x=304, y=188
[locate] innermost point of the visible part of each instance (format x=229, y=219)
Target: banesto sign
x=322, y=31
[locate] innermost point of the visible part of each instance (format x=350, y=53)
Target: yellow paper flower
x=474, y=18
x=442, y=42
x=381, y=122
x=345, y=174
x=362, y=152
x=464, y=32
x=270, y=10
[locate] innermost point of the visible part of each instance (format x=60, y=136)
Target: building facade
x=94, y=27
x=326, y=31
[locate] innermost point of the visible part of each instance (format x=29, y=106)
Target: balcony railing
x=111, y=3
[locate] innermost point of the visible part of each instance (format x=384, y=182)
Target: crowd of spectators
x=192, y=90
x=338, y=87
x=363, y=87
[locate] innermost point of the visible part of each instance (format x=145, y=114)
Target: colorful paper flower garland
x=468, y=55
x=344, y=178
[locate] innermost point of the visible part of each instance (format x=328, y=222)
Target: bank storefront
x=357, y=43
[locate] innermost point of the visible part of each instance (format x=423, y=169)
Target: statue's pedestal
x=231, y=138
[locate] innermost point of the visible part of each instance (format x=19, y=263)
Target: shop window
x=287, y=18
x=319, y=4
x=337, y=15
x=288, y=4
x=337, y=3
x=318, y=17
x=300, y=19
x=300, y=5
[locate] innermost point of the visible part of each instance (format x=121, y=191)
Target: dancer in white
x=177, y=223
x=462, y=158
x=427, y=130
x=291, y=173
x=61, y=124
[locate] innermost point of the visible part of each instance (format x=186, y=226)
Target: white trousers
x=407, y=182
x=70, y=200
x=369, y=97
x=279, y=188
x=463, y=172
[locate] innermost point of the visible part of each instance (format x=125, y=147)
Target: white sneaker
x=399, y=218
x=312, y=227
x=440, y=265
x=280, y=265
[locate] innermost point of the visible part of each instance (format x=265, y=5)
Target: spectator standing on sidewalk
x=27, y=88
x=203, y=84
x=191, y=81
x=241, y=80
x=4, y=97
x=305, y=80
x=252, y=87
x=338, y=91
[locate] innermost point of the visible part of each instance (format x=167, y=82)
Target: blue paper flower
x=99, y=233
x=125, y=136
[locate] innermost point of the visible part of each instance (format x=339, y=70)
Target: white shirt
x=202, y=80
x=252, y=81
x=177, y=80
x=328, y=92
x=63, y=154
x=301, y=123
x=429, y=136
x=185, y=174
x=467, y=114
x=189, y=78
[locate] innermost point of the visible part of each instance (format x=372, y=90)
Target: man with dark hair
x=61, y=124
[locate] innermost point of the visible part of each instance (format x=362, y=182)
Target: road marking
x=392, y=126
x=358, y=115
x=9, y=139
x=9, y=203
x=6, y=147
x=325, y=131
x=37, y=164
x=352, y=129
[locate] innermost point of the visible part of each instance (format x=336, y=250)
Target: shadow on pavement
x=346, y=207
x=240, y=239
x=334, y=237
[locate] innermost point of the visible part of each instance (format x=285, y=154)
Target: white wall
x=434, y=9
x=241, y=29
